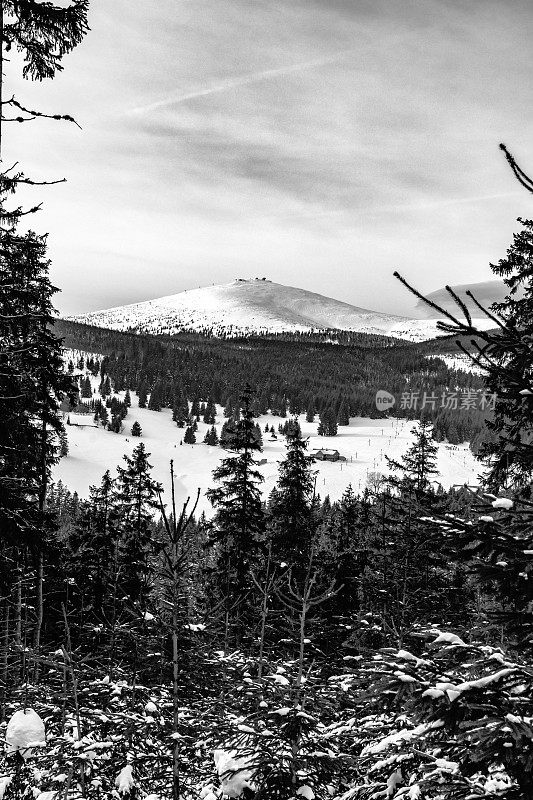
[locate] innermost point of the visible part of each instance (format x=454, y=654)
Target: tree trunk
x=175, y=699
x=39, y=614
x=5, y=651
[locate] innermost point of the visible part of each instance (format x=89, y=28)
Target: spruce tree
x=258, y=435
x=328, y=423
x=195, y=408
x=239, y=518
x=43, y=33
x=63, y=444
x=102, y=416
x=94, y=558
x=155, y=402
x=227, y=434
x=418, y=464
x=32, y=382
x=211, y=437
x=189, y=436
x=508, y=359
x=343, y=414
x=292, y=523
x=86, y=390
x=210, y=412
x=137, y=499
x=115, y=423
x=143, y=394
x=180, y=409
x=350, y=538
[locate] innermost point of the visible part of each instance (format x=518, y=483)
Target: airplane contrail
x=244, y=80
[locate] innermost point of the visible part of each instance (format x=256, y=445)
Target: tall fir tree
x=238, y=524
x=137, y=499
x=94, y=551
x=189, y=436
x=418, y=463
x=291, y=516
x=143, y=394
x=328, y=423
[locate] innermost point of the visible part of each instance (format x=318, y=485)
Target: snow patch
x=234, y=772
x=124, y=780
x=502, y=502
x=25, y=731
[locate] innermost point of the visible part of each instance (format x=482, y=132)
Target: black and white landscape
x=266, y=400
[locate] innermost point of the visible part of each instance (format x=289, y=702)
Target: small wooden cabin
x=325, y=454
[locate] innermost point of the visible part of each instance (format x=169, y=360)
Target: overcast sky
x=319, y=143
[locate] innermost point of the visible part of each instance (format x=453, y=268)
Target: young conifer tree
x=136, y=498
x=418, y=464
x=292, y=522
x=238, y=524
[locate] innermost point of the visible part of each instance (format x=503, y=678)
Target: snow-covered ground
x=257, y=306
x=364, y=443
x=461, y=361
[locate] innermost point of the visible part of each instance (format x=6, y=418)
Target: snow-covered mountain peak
x=253, y=305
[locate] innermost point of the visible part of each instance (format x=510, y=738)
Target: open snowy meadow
x=365, y=443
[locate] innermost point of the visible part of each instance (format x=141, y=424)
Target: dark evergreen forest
x=290, y=374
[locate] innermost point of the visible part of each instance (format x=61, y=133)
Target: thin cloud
x=244, y=80
x=421, y=206
x=452, y=201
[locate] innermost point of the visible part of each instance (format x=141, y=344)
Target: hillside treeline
x=289, y=375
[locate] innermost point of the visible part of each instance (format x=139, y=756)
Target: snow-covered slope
x=254, y=306
x=486, y=293
x=459, y=361
x=365, y=443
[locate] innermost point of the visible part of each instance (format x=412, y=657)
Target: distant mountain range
x=486, y=293
x=255, y=306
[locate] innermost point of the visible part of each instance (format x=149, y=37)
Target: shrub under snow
x=25, y=730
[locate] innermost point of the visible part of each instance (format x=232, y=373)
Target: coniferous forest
x=291, y=375
x=283, y=646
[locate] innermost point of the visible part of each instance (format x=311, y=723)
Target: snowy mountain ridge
x=255, y=306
